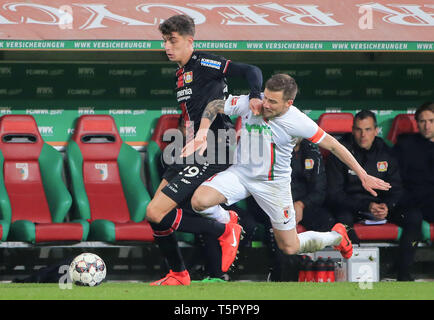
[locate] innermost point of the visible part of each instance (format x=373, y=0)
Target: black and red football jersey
x=199, y=82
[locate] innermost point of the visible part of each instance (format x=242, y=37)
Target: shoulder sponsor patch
x=210, y=63
x=382, y=166
x=308, y=164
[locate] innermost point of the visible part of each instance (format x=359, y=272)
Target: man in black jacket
x=415, y=154
x=350, y=202
x=308, y=185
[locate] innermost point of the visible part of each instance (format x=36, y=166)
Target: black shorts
x=184, y=179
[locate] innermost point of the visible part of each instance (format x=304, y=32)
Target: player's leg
x=276, y=200
x=167, y=217
x=310, y=241
x=224, y=187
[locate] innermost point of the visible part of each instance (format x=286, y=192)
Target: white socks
x=311, y=241
x=216, y=213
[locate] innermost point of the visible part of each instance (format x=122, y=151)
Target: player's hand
x=370, y=183
x=255, y=105
x=198, y=143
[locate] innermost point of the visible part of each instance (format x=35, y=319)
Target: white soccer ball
x=87, y=269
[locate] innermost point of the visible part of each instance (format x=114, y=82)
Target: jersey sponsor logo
x=184, y=94
x=188, y=77
x=265, y=129
x=382, y=166
x=102, y=170
x=210, y=63
x=308, y=164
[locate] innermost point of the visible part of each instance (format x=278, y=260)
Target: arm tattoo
x=214, y=107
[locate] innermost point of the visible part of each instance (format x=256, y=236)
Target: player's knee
x=153, y=214
x=198, y=203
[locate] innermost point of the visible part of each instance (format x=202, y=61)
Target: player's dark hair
x=427, y=106
x=285, y=83
x=364, y=114
x=181, y=23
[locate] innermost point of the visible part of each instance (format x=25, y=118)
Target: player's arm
x=208, y=116
x=253, y=75
x=369, y=182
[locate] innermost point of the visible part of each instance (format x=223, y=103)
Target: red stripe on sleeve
x=317, y=136
x=226, y=66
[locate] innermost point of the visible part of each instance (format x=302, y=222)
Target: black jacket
x=308, y=178
x=345, y=191
x=415, y=156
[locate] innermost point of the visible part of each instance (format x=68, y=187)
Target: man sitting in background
x=415, y=154
x=350, y=203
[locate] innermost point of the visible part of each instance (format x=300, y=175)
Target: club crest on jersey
x=188, y=77
x=382, y=166
x=286, y=213
x=308, y=164
x=234, y=101
x=210, y=63
x=103, y=170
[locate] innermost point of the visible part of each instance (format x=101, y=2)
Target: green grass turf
x=223, y=291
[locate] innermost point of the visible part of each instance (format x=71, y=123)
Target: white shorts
x=274, y=197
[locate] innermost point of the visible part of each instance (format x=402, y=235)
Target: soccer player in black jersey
x=200, y=79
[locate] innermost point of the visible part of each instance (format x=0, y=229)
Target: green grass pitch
x=224, y=291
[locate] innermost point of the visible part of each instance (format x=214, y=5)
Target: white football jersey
x=265, y=146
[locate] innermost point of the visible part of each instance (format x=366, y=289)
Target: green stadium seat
x=34, y=198
x=427, y=231
x=106, y=182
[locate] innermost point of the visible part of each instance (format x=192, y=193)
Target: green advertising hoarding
x=136, y=94
x=259, y=45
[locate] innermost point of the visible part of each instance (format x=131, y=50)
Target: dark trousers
x=409, y=219
x=317, y=219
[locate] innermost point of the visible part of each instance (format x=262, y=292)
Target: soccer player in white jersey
x=271, y=135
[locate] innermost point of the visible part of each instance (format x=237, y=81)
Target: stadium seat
x=427, y=231
x=106, y=182
x=34, y=197
x=335, y=124
x=155, y=146
x=402, y=123
x=382, y=232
